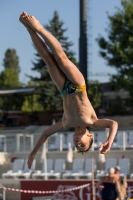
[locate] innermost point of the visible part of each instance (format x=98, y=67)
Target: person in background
x=122, y=181
x=109, y=186
x=117, y=172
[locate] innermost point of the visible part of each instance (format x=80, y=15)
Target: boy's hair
x=83, y=152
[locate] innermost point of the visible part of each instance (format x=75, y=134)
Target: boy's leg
x=69, y=69
x=55, y=72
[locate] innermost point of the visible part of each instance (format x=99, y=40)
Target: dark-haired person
x=78, y=111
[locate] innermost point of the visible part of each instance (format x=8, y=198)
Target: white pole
x=4, y=194
x=45, y=160
x=32, y=141
x=124, y=141
x=24, y=138
x=92, y=168
x=60, y=141
x=18, y=142
x=5, y=144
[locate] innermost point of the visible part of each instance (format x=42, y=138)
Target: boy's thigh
x=73, y=73
x=57, y=76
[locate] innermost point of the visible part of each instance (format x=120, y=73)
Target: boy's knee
x=61, y=58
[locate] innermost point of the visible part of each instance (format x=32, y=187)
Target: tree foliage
x=11, y=60
x=9, y=78
x=116, y=107
x=31, y=102
x=117, y=48
x=95, y=94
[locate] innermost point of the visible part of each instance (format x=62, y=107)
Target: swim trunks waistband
x=71, y=88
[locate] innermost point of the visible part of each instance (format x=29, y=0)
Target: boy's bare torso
x=78, y=110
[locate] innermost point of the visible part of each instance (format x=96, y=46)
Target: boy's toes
x=24, y=14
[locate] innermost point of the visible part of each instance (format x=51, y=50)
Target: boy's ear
x=90, y=135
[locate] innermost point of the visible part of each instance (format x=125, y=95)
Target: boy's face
x=82, y=139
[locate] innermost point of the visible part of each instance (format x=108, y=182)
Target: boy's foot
x=32, y=22
x=21, y=19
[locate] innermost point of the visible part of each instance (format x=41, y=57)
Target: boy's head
x=82, y=139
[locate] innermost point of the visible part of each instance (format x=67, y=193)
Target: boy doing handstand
x=78, y=111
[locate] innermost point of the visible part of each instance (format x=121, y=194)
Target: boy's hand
x=30, y=159
x=104, y=147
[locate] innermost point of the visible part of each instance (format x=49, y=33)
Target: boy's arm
x=113, y=126
x=44, y=136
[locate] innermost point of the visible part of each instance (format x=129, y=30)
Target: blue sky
x=14, y=35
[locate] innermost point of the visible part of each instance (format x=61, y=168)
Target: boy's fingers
x=104, y=151
x=101, y=146
x=100, y=149
x=29, y=165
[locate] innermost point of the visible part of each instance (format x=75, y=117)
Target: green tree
x=9, y=78
x=117, y=48
x=13, y=102
x=95, y=94
x=116, y=107
x=50, y=97
x=11, y=60
x=31, y=102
